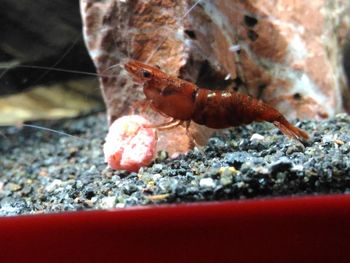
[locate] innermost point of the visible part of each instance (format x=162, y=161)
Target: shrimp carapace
x=184, y=101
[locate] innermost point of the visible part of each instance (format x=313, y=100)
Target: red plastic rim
x=316, y=229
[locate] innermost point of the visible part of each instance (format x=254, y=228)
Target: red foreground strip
x=303, y=229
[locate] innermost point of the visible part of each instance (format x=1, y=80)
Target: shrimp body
x=184, y=101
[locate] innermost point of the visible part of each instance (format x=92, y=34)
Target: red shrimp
x=185, y=102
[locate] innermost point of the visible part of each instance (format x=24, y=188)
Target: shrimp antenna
x=109, y=68
x=165, y=38
x=52, y=69
x=3, y=135
x=51, y=130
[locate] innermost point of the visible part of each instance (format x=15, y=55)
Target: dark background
x=40, y=33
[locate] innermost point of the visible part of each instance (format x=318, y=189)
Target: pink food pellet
x=130, y=143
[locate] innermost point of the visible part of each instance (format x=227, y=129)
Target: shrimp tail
x=290, y=130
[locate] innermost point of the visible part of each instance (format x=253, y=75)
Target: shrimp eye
x=146, y=74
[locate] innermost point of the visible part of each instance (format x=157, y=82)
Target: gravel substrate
x=44, y=172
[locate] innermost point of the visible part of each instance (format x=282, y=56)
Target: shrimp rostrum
x=185, y=102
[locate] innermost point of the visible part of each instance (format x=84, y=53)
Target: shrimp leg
x=167, y=125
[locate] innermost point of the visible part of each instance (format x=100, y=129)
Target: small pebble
x=257, y=137
x=13, y=187
x=207, y=182
x=108, y=202
x=54, y=185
